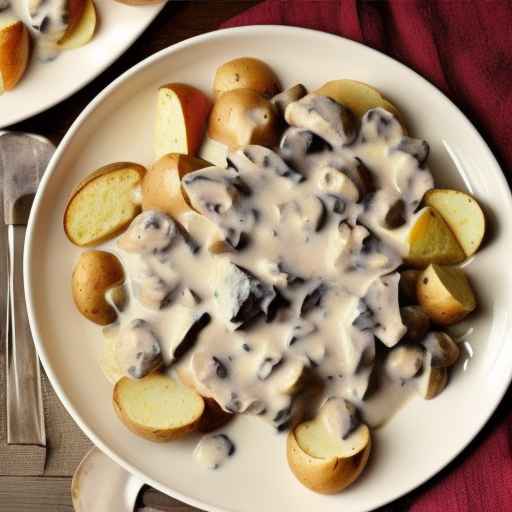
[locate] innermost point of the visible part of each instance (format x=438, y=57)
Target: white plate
x=424, y=436
x=47, y=83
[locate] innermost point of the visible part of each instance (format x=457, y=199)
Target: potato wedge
x=431, y=241
x=323, y=463
x=94, y=274
x=103, y=204
x=462, y=214
x=83, y=31
x=161, y=186
x=445, y=294
x=246, y=73
x=14, y=52
x=157, y=407
x=358, y=97
x=182, y=113
x=242, y=117
x=432, y=380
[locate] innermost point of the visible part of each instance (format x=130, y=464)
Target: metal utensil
x=23, y=159
x=101, y=485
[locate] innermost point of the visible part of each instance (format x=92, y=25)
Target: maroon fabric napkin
x=465, y=48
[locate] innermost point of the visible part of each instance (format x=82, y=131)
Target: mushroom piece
x=432, y=380
x=340, y=417
x=283, y=99
x=416, y=321
x=407, y=286
x=102, y=485
x=404, y=362
x=445, y=352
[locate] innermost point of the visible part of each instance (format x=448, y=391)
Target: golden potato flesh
x=246, y=73
x=94, y=274
x=445, y=294
x=241, y=117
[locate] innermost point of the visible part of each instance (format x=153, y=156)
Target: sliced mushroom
x=416, y=321
x=433, y=380
x=404, y=362
x=283, y=99
x=417, y=148
x=407, y=286
x=445, y=352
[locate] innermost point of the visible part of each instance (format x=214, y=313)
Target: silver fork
x=23, y=159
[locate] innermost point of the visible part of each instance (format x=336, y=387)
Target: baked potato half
x=103, y=204
x=14, y=52
x=157, y=407
x=94, y=274
x=241, y=117
x=84, y=29
x=246, y=73
x=182, y=113
x=445, y=294
x=462, y=214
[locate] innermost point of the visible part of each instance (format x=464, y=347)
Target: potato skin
x=161, y=186
x=214, y=416
x=233, y=121
x=155, y=435
x=14, y=52
x=246, y=73
x=94, y=273
x=325, y=476
x=139, y=2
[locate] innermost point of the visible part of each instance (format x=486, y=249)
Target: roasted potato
x=94, y=274
x=103, y=204
x=432, y=380
x=161, y=186
x=182, y=113
x=14, y=52
x=431, y=241
x=324, y=463
x=358, y=97
x=463, y=215
x=157, y=407
x=84, y=29
x=246, y=73
x=445, y=294
x=242, y=117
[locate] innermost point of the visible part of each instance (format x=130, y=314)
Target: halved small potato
x=14, y=52
x=431, y=241
x=432, y=380
x=95, y=273
x=462, y=214
x=161, y=186
x=246, y=73
x=157, y=407
x=83, y=31
x=103, y=204
x=324, y=463
x=358, y=97
x=182, y=112
x=241, y=117
x=445, y=294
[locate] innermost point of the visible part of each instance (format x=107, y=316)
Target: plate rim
x=15, y=119
x=93, y=104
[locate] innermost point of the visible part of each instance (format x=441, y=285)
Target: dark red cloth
x=465, y=48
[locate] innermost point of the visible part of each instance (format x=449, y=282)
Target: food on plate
x=432, y=241
x=463, y=215
x=358, y=97
x=329, y=453
x=296, y=280
x=14, y=52
x=433, y=379
x=139, y=2
x=243, y=116
x=94, y=274
x=55, y=19
x=83, y=31
x=445, y=294
x=182, y=111
x=104, y=203
x=161, y=186
x=157, y=407
x=246, y=73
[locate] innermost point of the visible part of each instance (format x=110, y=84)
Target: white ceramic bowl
x=424, y=436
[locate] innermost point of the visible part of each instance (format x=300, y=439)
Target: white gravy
x=309, y=291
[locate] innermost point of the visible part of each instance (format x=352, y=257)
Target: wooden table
x=39, y=480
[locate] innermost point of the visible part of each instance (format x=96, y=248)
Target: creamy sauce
x=213, y=450
x=307, y=286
